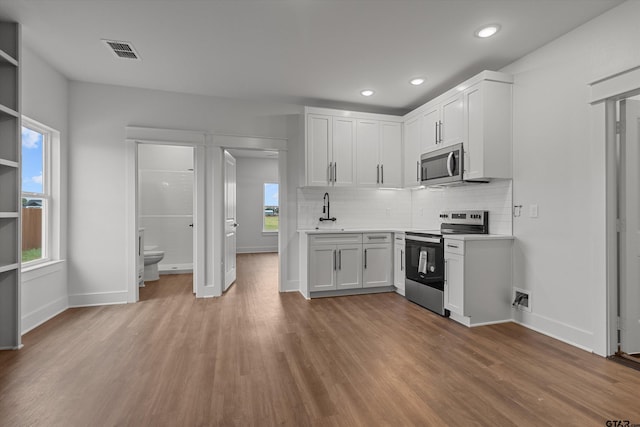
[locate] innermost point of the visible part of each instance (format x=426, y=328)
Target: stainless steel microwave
x=443, y=166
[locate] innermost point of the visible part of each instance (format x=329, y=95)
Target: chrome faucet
x=325, y=208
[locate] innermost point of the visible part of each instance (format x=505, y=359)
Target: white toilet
x=151, y=259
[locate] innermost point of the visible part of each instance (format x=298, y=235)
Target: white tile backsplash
x=495, y=197
x=355, y=208
x=404, y=209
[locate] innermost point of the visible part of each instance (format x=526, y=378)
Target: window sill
x=269, y=233
x=41, y=269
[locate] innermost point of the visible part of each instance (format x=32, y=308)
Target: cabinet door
x=368, y=167
x=429, y=133
x=349, y=267
x=411, y=167
x=322, y=265
x=390, y=154
x=398, y=270
x=473, y=148
x=377, y=265
x=454, y=282
x=319, y=140
x=452, y=117
x=344, y=151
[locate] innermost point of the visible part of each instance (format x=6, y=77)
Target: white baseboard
x=554, y=329
x=98, y=298
x=257, y=250
x=292, y=286
x=39, y=316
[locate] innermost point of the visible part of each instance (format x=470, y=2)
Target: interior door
x=230, y=223
x=629, y=295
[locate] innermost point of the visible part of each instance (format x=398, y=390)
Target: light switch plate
x=533, y=211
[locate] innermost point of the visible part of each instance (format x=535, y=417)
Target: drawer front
x=399, y=238
x=335, y=239
x=454, y=246
x=376, y=238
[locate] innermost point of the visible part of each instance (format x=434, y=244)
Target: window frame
x=48, y=135
x=264, y=191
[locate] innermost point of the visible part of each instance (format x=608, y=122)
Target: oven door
x=442, y=166
x=424, y=259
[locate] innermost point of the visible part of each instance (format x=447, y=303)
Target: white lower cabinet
x=477, y=287
x=399, y=263
x=343, y=262
x=377, y=265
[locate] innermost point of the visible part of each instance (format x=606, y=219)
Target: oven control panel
x=465, y=217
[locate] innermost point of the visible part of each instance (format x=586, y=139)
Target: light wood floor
x=258, y=358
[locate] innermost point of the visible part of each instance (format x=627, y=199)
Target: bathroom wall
x=166, y=203
x=252, y=174
x=495, y=197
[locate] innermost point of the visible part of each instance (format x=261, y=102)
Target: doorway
x=252, y=208
x=166, y=206
x=628, y=302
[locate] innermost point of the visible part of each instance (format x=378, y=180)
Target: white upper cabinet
x=390, y=154
x=346, y=148
x=330, y=150
x=379, y=154
x=411, y=167
x=368, y=164
x=487, y=132
x=442, y=123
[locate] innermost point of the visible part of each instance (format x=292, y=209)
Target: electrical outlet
x=521, y=300
x=533, y=211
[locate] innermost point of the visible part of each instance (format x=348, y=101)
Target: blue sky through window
x=32, y=159
x=271, y=194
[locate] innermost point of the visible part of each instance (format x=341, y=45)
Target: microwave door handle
x=449, y=165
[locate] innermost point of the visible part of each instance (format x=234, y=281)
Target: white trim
x=166, y=136
x=256, y=249
x=561, y=331
x=32, y=272
x=98, y=298
x=41, y=315
x=248, y=142
x=616, y=85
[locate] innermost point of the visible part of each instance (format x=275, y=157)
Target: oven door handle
x=422, y=239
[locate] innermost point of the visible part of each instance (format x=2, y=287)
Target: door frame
x=219, y=144
x=209, y=159
x=194, y=140
x=605, y=92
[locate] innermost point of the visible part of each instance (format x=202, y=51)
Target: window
x=35, y=191
x=271, y=208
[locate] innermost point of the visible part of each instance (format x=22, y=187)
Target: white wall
x=45, y=99
x=560, y=256
x=165, y=181
x=251, y=175
x=97, y=214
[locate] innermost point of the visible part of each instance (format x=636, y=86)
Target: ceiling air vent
x=124, y=50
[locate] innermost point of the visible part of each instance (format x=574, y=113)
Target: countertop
x=402, y=230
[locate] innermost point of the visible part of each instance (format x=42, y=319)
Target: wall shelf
x=10, y=205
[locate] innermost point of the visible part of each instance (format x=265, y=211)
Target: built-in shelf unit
x=10, y=206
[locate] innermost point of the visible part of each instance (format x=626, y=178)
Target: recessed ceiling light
x=487, y=31
x=417, y=81
x=367, y=92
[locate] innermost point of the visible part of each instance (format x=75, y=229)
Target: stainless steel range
x=424, y=261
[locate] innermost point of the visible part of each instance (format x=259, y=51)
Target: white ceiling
x=312, y=52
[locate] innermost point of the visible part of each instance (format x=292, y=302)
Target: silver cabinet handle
x=382, y=174
x=440, y=138
x=334, y=259
x=340, y=259
x=401, y=260
x=436, y=137
x=449, y=166
x=376, y=237
x=446, y=270
x=365, y=258
x=418, y=171
x=452, y=246
x=378, y=174
x=329, y=172
x=335, y=172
